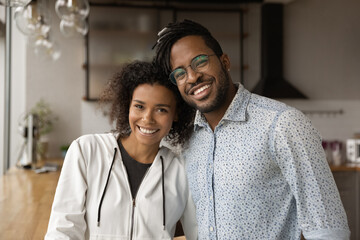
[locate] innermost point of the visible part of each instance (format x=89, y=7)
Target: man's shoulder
x=257, y=101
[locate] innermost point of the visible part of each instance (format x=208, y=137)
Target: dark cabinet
x=348, y=183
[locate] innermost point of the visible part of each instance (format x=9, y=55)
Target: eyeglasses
x=198, y=64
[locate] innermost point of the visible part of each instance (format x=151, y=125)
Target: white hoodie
x=83, y=181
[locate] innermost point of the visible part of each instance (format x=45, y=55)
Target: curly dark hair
x=119, y=91
x=175, y=31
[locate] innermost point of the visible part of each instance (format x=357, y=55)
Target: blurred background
x=57, y=55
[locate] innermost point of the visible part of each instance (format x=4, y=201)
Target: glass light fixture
x=46, y=49
x=14, y=3
x=72, y=10
x=72, y=28
x=29, y=21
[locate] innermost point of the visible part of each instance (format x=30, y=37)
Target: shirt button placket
x=210, y=177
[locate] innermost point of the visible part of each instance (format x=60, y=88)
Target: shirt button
x=211, y=197
x=211, y=229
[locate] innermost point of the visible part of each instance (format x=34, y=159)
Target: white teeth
x=147, y=131
x=201, y=89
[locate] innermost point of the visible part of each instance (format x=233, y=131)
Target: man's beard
x=220, y=97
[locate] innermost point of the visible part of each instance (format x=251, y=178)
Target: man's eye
x=200, y=61
x=179, y=74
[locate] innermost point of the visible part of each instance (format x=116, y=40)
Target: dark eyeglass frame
x=193, y=67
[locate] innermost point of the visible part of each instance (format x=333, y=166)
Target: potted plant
x=63, y=149
x=45, y=119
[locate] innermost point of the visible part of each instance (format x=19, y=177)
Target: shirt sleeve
x=67, y=219
x=298, y=152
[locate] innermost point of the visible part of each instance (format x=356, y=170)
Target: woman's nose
x=148, y=117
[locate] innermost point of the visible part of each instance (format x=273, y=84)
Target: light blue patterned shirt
x=262, y=174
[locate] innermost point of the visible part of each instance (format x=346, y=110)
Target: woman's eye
x=138, y=106
x=162, y=110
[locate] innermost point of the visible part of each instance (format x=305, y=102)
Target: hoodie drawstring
x=103, y=193
x=163, y=189
x=107, y=181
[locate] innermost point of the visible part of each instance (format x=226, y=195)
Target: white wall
x=331, y=125
x=93, y=119
x=321, y=48
x=322, y=59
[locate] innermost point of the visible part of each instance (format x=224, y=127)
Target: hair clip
x=161, y=31
x=159, y=34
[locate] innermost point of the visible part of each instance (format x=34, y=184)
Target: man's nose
x=192, y=76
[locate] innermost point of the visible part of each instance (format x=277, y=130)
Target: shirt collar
x=236, y=111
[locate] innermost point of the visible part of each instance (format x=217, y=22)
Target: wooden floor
x=25, y=203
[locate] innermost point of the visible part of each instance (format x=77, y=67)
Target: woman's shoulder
x=96, y=138
x=171, y=157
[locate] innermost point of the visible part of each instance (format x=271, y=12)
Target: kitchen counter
x=25, y=202
x=345, y=167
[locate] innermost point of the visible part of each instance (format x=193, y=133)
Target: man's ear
x=225, y=61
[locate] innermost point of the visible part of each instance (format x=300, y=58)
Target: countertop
x=345, y=167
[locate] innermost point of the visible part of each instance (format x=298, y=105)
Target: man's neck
x=214, y=117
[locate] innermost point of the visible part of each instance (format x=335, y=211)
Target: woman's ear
x=225, y=61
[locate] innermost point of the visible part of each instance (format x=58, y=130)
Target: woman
x=125, y=185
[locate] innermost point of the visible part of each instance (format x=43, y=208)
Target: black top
x=135, y=170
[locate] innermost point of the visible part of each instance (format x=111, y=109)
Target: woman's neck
x=140, y=152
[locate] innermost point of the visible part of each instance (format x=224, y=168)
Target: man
x=256, y=167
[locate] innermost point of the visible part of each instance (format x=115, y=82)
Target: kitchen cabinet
x=348, y=183
x=118, y=35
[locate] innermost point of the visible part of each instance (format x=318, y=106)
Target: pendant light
x=72, y=28
x=14, y=3
x=73, y=14
x=29, y=21
x=46, y=49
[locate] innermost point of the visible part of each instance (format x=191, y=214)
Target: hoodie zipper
x=134, y=205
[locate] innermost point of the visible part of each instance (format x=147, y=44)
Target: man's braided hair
x=175, y=31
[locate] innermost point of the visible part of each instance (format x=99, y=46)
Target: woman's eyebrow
x=138, y=101
x=163, y=105
x=158, y=105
